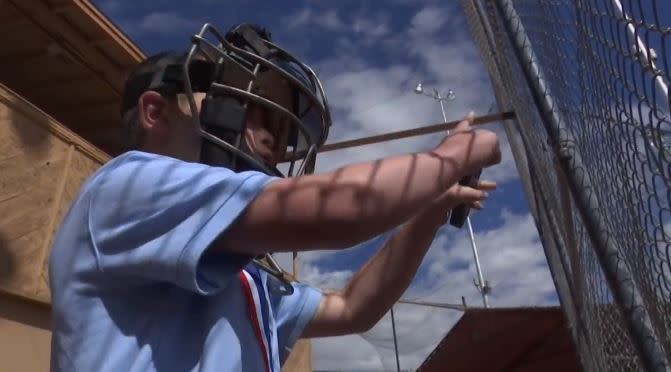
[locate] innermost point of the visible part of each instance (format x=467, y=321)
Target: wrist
x=453, y=157
x=433, y=217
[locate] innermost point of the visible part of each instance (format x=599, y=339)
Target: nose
x=266, y=138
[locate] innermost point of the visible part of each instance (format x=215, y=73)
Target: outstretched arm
x=384, y=278
x=355, y=203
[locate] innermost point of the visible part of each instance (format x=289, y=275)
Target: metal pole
x=482, y=288
x=618, y=275
x=393, y=328
x=649, y=58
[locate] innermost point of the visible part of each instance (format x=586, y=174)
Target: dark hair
x=145, y=76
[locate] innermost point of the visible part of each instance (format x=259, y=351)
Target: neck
x=172, y=150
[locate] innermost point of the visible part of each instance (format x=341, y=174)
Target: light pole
x=481, y=285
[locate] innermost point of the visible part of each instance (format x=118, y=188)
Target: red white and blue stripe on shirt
x=261, y=315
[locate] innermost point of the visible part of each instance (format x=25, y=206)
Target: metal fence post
x=620, y=279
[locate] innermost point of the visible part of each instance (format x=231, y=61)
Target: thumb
x=464, y=194
x=458, y=194
x=465, y=125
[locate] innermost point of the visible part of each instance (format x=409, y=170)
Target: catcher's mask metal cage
x=244, y=69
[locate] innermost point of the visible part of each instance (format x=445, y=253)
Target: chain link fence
x=588, y=82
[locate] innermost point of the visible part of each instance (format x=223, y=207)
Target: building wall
x=24, y=335
x=42, y=166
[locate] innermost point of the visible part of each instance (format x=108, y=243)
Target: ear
x=151, y=110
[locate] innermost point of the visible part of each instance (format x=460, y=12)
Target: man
x=158, y=264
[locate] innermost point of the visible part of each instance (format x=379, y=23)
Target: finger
x=465, y=124
x=476, y=205
x=485, y=185
x=467, y=194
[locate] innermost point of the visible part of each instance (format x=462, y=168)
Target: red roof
x=515, y=339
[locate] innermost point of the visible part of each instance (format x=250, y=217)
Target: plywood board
x=27, y=194
x=24, y=335
x=43, y=166
x=80, y=168
x=300, y=359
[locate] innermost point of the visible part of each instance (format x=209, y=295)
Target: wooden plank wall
x=25, y=335
x=42, y=166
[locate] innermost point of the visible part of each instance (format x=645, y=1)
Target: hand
x=481, y=146
x=457, y=194
x=473, y=196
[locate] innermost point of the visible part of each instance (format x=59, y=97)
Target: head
x=240, y=102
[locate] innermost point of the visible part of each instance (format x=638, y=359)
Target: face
x=265, y=134
x=172, y=131
x=266, y=131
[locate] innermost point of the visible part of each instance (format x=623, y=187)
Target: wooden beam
x=18, y=103
x=26, y=56
x=71, y=41
x=15, y=23
x=111, y=30
x=300, y=359
x=42, y=86
x=98, y=42
x=61, y=8
x=435, y=128
x=84, y=107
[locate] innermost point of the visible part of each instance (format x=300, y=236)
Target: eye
x=271, y=122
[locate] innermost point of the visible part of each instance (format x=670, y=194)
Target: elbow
x=364, y=326
x=364, y=323
x=363, y=319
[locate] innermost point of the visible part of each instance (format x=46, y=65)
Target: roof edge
x=109, y=27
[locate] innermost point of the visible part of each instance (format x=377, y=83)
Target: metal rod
x=482, y=288
x=429, y=129
x=620, y=279
x=393, y=328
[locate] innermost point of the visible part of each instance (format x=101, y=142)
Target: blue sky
x=370, y=55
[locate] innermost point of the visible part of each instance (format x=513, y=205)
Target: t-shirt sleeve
x=292, y=313
x=153, y=217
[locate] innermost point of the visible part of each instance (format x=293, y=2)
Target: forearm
x=382, y=281
x=342, y=208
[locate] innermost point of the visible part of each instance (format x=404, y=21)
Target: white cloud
x=512, y=260
x=511, y=256
x=363, y=25
x=168, y=23
x=369, y=99
x=349, y=31
x=327, y=19
x=327, y=280
x=358, y=354
x=428, y=21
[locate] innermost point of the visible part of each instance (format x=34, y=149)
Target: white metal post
x=645, y=57
x=482, y=287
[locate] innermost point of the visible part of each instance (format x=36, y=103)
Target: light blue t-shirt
x=134, y=287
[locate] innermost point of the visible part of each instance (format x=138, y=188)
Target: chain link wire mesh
x=605, y=218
